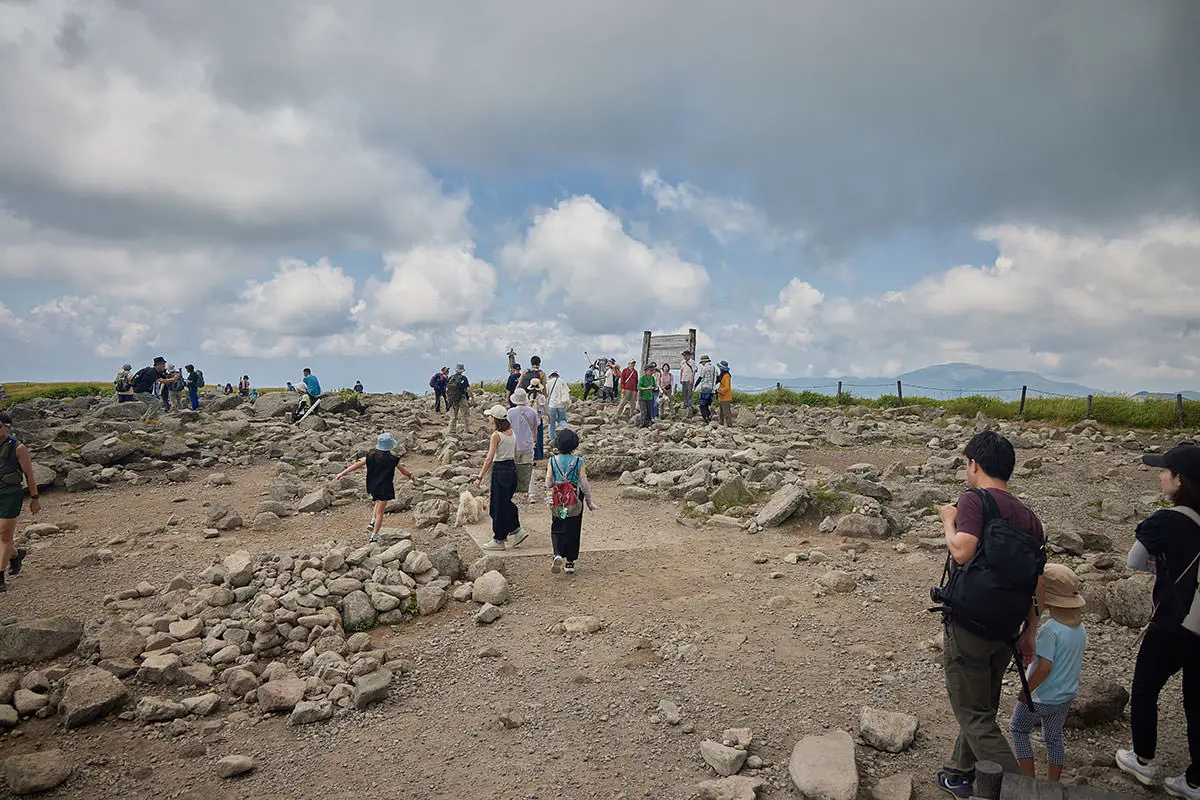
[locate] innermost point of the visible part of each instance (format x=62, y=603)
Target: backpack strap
x=1190, y=513
x=990, y=509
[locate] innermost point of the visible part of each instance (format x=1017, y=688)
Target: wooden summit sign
x=666, y=347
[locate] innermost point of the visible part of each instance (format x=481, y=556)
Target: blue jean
x=539, y=447
x=194, y=397
x=654, y=405
x=558, y=419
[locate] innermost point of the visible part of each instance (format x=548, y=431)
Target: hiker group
x=653, y=394
x=996, y=587
x=154, y=385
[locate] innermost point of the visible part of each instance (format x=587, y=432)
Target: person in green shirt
x=646, y=386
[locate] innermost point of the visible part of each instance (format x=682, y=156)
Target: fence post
x=989, y=779
x=899, y=394
x=645, y=349
x=1179, y=407
x=1021, y=412
x=839, y=394
x=1088, y=415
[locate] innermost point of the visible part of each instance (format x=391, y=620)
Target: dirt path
x=689, y=616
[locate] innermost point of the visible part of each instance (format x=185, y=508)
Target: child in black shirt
x=381, y=467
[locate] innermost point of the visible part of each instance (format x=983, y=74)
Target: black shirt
x=145, y=378
x=1173, y=540
x=513, y=380
x=381, y=475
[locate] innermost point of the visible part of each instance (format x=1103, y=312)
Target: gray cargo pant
x=152, y=403
x=975, y=670
x=688, y=391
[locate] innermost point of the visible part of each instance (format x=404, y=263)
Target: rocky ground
x=750, y=602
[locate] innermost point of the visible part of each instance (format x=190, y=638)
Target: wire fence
x=1152, y=410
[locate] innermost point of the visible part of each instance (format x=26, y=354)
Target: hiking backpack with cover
x=144, y=380
x=456, y=387
x=564, y=496
x=990, y=596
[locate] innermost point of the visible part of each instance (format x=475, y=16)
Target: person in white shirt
x=558, y=400
x=687, y=382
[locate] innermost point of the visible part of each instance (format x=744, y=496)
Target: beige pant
x=460, y=409
x=628, y=401
x=524, y=470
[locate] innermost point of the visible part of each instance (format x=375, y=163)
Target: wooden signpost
x=666, y=347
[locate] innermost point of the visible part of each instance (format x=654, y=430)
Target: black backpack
x=144, y=380
x=990, y=595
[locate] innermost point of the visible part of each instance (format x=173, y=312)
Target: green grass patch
x=17, y=392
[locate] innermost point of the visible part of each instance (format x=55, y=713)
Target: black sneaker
x=955, y=784
x=14, y=563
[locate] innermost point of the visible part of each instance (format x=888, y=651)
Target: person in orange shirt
x=725, y=394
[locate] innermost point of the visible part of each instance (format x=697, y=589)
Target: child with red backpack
x=567, y=481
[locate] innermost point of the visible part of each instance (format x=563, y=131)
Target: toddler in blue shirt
x=1054, y=674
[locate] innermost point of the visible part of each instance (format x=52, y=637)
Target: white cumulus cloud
x=600, y=278
x=300, y=300
x=430, y=284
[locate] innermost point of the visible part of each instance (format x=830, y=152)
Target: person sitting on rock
x=381, y=464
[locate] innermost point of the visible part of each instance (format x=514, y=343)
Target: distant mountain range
x=942, y=381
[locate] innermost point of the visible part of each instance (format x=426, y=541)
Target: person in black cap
x=143, y=386
x=1168, y=543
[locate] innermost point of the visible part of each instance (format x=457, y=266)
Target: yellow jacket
x=725, y=388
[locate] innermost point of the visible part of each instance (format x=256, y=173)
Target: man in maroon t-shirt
x=975, y=666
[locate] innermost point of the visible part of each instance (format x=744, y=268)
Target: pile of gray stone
x=280, y=633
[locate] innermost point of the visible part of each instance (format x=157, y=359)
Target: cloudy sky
x=375, y=188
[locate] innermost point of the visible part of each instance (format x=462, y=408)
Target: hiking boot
x=1179, y=787
x=14, y=563
x=1145, y=773
x=956, y=785
x=569, y=568
x=556, y=564
x=517, y=537
x=494, y=544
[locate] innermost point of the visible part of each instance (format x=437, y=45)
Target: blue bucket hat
x=385, y=442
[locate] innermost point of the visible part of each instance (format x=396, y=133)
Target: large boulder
x=33, y=640
x=1130, y=601
x=447, y=562
x=314, y=501
x=491, y=587
x=788, y=500
x=823, y=767
x=106, y=451
x=280, y=695
x=429, y=513
x=669, y=460
x=861, y=526
x=120, y=640
x=32, y=773
x=357, y=611
x=890, y=731
x=1098, y=702
x=91, y=694
x=275, y=404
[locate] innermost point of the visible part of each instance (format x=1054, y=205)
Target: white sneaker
x=515, y=539
x=493, y=545
x=1179, y=787
x=556, y=565
x=1145, y=774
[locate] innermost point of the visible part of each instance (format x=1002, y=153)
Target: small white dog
x=470, y=510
